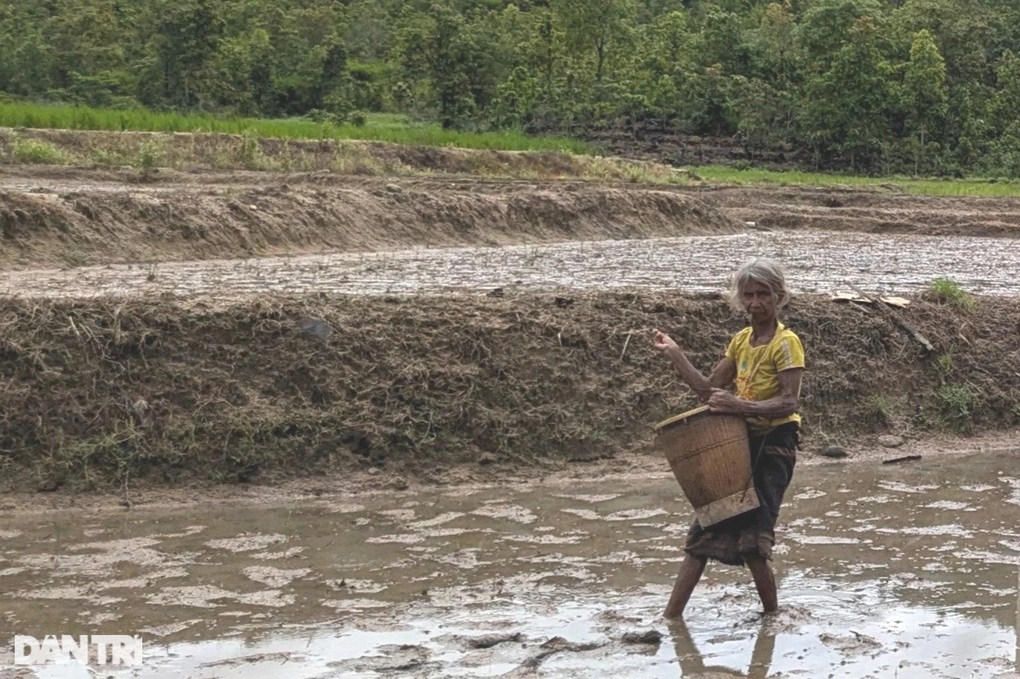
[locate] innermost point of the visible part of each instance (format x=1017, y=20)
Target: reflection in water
x=886, y=571
x=692, y=664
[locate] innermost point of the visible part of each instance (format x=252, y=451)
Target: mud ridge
x=104, y=393
x=90, y=226
x=864, y=210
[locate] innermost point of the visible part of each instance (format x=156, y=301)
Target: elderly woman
x=765, y=364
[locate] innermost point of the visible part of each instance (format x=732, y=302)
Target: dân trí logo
x=65, y=649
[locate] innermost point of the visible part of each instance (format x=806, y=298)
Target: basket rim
x=682, y=416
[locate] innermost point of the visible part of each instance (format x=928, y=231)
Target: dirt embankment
x=663, y=145
x=147, y=152
x=135, y=197
x=302, y=214
x=106, y=392
x=65, y=217
x=865, y=210
x=58, y=217
x=99, y=394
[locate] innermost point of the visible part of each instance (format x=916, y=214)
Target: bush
x=151, y=154
x=38, y=151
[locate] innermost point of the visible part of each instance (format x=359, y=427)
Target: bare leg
x=764, y=581
x=690, y=572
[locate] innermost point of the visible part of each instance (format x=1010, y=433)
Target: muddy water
x=905, y=571
x=816, y=262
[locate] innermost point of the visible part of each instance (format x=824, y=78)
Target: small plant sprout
x=948, y=291
x=878, y=408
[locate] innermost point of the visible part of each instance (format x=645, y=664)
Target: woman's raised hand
x=663, y=342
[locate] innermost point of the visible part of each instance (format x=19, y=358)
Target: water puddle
x=815, y=262
x=906, y=571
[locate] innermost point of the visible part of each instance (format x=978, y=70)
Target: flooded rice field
x=884, y=571
x=815, y=261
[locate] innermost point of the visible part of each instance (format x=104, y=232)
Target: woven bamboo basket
x=710, y=458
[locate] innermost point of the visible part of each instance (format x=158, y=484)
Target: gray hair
x=759, y=271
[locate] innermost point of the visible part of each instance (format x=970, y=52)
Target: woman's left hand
x=722, y=401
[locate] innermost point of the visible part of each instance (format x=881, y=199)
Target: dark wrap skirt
x=773, y=457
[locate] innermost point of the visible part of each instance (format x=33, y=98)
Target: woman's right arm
x=722, y=375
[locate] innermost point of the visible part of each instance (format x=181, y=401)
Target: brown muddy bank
x=884, y=210
x=662, y=144
x=94, y=220
x=104, y=393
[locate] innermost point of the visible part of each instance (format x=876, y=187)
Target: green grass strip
x=384, y=128
x=985, y=188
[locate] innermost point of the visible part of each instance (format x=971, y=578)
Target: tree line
x=922, y=86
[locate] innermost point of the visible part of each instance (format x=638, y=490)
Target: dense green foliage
x=920, y=86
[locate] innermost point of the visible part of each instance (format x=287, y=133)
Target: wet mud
x=815, y=262
x=906, y=571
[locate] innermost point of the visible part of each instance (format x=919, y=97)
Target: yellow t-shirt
x=758, y=370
